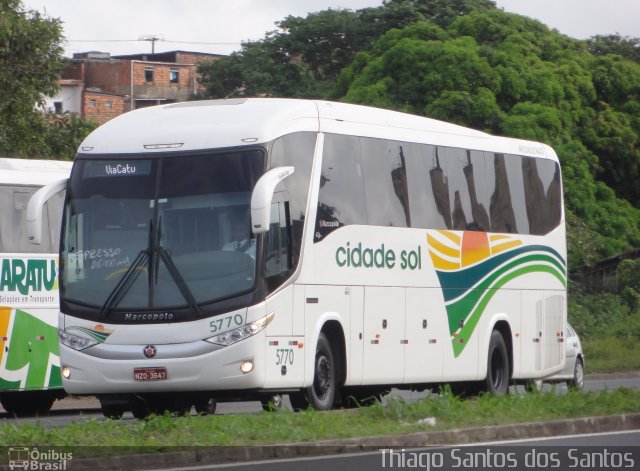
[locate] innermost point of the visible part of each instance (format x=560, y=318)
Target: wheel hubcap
x=497, y=370
x=323, y=376
x=579, y=374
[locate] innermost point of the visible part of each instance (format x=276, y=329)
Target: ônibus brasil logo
x=37, y=459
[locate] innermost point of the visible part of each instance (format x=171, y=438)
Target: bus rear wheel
x=497, y=380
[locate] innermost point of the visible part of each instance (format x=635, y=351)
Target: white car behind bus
x=573, y=371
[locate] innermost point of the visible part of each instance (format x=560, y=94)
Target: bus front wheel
x=321, y=394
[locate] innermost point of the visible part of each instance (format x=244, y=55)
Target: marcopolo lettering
x=149, y=316
x=381, y=257
x=27, y=276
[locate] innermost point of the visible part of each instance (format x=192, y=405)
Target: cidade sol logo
x=357, y=255
x=38, y=459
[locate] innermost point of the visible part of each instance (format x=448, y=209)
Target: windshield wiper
x=147, y=257
x=175, y=273
x=127, y=280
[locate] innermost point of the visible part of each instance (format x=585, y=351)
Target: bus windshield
x=159, y=233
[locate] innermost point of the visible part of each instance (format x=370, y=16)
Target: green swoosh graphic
x=454, y=283
x=94, y=334
x=460, y=310
x=464, y=303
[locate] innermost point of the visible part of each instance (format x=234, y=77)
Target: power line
x=138, y=40
x=151, y=38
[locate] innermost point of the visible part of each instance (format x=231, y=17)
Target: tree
x=478, y=110
x=467, y=62
x=30, y=63
x=62, y=134
x=513, y=76
x=445, y=12
x=624, y=46
x=305, y=56
x=260, y=69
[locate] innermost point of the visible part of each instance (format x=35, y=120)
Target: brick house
x=99, y=87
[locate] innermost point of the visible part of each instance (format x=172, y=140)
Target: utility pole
x=152, y=38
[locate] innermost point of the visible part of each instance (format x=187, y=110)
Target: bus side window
x=278, y=253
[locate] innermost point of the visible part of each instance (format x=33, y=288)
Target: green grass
x=612, y=354
x=398, y=417
x=608, y=324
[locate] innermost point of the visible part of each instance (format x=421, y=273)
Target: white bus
x=240, y=249
x=29, y=355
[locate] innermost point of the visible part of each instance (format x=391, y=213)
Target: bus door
x=532, y=332
x=384, y=335
x=426, y=335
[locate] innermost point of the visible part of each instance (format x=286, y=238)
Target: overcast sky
x=219, y=26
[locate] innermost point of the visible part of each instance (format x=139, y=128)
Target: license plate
x=149, y=374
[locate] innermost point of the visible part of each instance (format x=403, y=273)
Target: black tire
x=323, y=390
x=27, y=403
x=140, y=408
x=112, y=411
x=321, y=394
x=466, y=389
x=179, y=406
x=205, y=405
x=533, y=385
x=577, y=382
x=272, y=403
x=497, y=380
x=299, y=401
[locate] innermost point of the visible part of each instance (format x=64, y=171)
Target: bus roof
x=32, y=171
x=209, y=124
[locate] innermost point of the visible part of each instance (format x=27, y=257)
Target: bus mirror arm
x=262, y=196
x=36, y=206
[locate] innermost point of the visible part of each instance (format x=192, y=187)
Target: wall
x=70, y=95
x=161, y=88
x=100, y=107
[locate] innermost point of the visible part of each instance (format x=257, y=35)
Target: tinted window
x=543, y=200
x=423, y=186
x=385, y=176
x=501, y=209
x=465, y=177
x=475, y=172
x=296, y=150
x=516, y=187
x=440, y=187
x=160, y=233
x=341, y=198
x=429, y=200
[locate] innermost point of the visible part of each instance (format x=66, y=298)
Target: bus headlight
x=241, y=333
x=74, y=341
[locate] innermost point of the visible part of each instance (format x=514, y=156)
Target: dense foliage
x=467, y=62
x=30, y=65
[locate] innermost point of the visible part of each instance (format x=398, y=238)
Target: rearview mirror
x=262, y=196
x=36, y=206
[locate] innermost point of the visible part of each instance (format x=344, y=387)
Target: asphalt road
x=616, y=450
